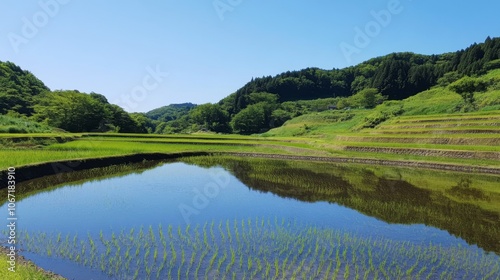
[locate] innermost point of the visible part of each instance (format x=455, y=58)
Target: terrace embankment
x=427, y=152
x=399, y=163
x=487, y=141
x=29, y=172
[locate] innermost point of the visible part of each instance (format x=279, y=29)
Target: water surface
x=171, y=220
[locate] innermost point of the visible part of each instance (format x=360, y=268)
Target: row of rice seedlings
x=259, y=248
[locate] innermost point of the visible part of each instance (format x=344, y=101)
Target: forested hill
x=170, y=112
x=17, y=89
x=25, y=99
x=397, y=76
x=261, y=104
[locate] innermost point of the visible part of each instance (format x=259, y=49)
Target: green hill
x=17, y=89
x=267, y=102
x=412, y=84
x=397, y=75
x=170, y=112
x=28, y=106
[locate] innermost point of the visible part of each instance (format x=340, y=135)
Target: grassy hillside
x=427, y=126
x=10, y=124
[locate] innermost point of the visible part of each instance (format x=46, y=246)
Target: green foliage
x=117, y=120
x=367, y=98
x=21, y=124
x=211, y=117
x=79, y=112
x=279, y=117
x=278, y=246
x=253, y=119
x=258, y=97
x=397, y=76
x=17, y=88
x=448, y=78
x=383, y=112
x=69, y=110
x=171, y=112
x=434, y=101
x=466, y=87
x=23, y=95
x=494, y=64
x=282, y=97
x=143, y=124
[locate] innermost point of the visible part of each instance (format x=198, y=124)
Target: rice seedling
x=190, y=265
x=221, y=261
x=280, y=250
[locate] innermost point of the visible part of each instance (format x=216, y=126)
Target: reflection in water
x=51, y=183
x=111, y=227
x=457, y=210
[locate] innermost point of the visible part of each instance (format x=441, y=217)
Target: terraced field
x=461, y=136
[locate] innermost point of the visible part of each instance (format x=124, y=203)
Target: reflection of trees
x=391, y=200
x=52, y=182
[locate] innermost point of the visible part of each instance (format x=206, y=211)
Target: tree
x=70, y=110
x=466, y=87
x=211, y=117
x=143, y=123
x=449, y=78
x=279, y=117
x=367, y=98
x=253, y=119
x=120, y=121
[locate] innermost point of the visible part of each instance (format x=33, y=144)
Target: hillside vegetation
x=446, y=83
x=268, y=102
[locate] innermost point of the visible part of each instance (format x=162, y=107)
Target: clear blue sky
x=107, y=46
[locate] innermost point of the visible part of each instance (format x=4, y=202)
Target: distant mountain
x=171, y=112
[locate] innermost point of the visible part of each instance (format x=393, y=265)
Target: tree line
x=261, y=104
x=22, y=95
x=267, y=102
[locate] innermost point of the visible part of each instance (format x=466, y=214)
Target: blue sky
x=210, y=48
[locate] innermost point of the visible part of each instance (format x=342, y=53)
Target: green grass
x=96, y=147
x=9, y=124
x=23, y=271
x=421, y=121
